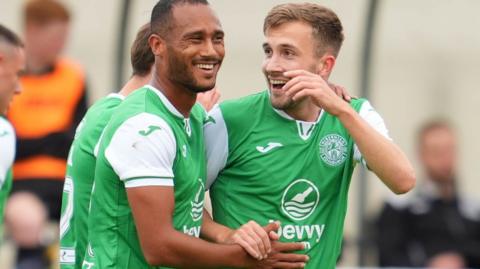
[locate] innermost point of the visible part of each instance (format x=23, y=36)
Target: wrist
x=345, y=112
x=239, y=258
x=223, y=235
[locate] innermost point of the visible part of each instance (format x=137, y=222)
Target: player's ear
x=325, y=65
x=157, y=45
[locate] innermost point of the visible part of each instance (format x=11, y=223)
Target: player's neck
x=134, y=83
x=180, y=97
x=36, y=64
x=304, y=111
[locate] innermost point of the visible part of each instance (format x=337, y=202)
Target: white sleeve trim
x=7, y=146
x=371, y=116
x=216, y=144
x=144, y=182
x=144, y=146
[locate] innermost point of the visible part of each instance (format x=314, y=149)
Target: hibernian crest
x=333, y=149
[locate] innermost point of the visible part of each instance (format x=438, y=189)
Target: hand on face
x=303, y=84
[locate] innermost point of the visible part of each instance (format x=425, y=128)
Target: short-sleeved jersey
x=146, y=143
x=79, y=181
x=271, y=167
x=7, y=146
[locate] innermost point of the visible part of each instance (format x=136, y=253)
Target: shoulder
x=198, y=113
x=98, y=115
x=7, y=134
x=143, y=145
x=235, y=111
x=6, y=127
x=7, y=145
x=359, y=103
x=244, y=103
x=108, y=102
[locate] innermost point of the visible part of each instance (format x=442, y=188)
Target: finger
x=263, y=236
x=271, y=227
x=253, y=244
x=287, y=247
x=291, y=257
x=303, y=94
x=287, y=265
x=300, y=87
x=247, y=247
x=346, y=95
x=273, y=236
x=250, y=230
x=295, y=81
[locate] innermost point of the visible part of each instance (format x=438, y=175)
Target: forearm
x=178, y=250
x=383, y=157
x=213, y=231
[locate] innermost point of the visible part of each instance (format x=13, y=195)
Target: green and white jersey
x=146, y=143
x=7, y=146
x=79, y=181
x=267, y=166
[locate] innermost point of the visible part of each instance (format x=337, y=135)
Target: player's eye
x=289, y=53
x=218, y=39
x=196, y=40
x=267, y=51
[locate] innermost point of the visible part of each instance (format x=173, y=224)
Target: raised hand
x=254, y=238
x=304, y=84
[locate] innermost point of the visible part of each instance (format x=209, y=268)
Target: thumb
x=273, y=236
x=271, y=227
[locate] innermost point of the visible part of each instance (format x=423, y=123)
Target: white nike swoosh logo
x=269, y=147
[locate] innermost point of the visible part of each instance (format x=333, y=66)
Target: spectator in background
x=46, y=114
x=437, y=227
x=53, y=102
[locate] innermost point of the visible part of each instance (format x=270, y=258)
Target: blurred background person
x=46, y=114
x=12, y=63
x=437, y=227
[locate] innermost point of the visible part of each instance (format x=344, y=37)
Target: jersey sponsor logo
x=197, y=203
x=150, y=130
x=333, y=149
x=193, y=231
x=269, y=147
x=300, y=199
x=4, y=133
x=301, y=233
x=88, y=265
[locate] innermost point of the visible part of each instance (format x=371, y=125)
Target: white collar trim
x=165, y=101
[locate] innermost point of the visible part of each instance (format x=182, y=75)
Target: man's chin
x=203, y=87
x=281, y=103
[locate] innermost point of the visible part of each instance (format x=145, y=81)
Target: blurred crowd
x=436, y=226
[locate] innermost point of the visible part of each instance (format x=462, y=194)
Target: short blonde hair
x=327, y=29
